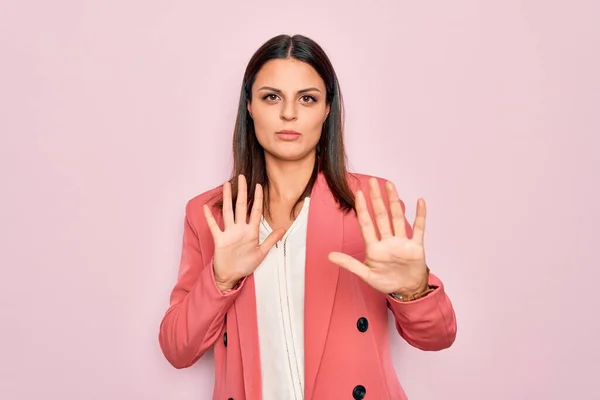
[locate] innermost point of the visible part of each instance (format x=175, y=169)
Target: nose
x=288, y=111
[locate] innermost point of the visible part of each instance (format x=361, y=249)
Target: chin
x=291, y=155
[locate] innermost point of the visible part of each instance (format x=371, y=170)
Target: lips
x=288, y=135
x=288, y=132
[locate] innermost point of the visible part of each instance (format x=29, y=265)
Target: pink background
x=114, y=113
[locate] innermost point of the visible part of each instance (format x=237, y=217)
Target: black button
x=359, y=392
x=225, y=339
x=231, y=398
x=362, y=324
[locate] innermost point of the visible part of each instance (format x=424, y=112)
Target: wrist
x=413, y=296
x=411, y=292
x=224, y=284
x=225, y=287
x=422, y=290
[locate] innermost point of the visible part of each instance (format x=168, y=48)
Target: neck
x=288, y=179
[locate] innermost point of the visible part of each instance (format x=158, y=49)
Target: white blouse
x=279, y=285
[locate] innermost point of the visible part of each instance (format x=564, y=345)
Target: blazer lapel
x=324, y=235
x=245, y=312
x=247, y=325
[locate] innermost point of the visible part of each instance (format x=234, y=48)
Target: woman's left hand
x=393, y=263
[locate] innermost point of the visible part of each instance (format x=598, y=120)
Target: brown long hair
x=248, y=154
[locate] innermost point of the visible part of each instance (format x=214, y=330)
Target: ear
x=327, y=110
x=248, y=107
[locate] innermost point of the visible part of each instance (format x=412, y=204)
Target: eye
x=308, y=99
x=270, y=97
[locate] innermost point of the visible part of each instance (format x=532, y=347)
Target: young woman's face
x=288, y=108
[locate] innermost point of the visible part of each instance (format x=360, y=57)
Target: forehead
x=288, y=74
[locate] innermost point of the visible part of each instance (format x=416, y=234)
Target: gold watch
x=414, y=296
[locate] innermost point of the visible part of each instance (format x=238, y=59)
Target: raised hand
x=237, y=249
x=394, y=263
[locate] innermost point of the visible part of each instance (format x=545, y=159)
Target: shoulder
x=361, y=181
x=194, y=206
x=358, y=180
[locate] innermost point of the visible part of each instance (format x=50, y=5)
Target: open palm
x=237, y=249
x=393, y=262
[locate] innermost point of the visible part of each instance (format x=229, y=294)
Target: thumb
x=270, y=241
x=349, y=263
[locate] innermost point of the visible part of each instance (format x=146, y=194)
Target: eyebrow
x=310, y=89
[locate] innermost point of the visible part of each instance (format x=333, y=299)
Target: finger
x=211, y=222
x=257, y=206
x=270, y=241
x=241, y=205
x=364, y=219
x=350, y=263
x=419, y=225
x=227, y=206
x=398, y=219
x=381, y=215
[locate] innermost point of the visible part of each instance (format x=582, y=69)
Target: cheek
x=266, y=122
x=314, y=120
x=264, y=117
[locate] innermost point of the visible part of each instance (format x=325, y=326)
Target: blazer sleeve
x=195, y=317
x=428, y=323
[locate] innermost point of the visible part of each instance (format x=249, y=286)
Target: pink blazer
x=347, y=350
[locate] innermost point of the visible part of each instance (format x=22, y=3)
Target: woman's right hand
x=237, y=249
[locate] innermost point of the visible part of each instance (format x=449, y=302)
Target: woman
x=283, y=270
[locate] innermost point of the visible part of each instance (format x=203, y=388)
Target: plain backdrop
x=114, y=113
